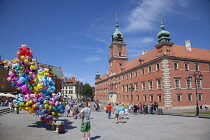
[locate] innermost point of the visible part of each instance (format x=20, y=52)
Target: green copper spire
x=163, y=35
x=117, y=36
x=97, y=74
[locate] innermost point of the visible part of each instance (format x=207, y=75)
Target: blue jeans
x=109, y=114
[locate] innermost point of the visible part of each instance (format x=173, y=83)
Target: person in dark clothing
x=135, y=108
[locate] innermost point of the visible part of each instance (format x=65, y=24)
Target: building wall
x=5, y=86
x=168, y=92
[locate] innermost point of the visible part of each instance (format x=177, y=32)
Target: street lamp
x=131, y=89
x=197, y=76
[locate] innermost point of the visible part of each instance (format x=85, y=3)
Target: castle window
x=177, y=82
x=145, y=97
x=159, y=84
x=188, y=82
x=142, y=71
x=149, y=69
x=179, y=97
x=157, y=67
x=136, y=73
x=159, y=98
x=151, y=97
x=186, y=66
x=197, y=67
x=143, y=85
x=200, y=96
x=137, y=98
x=176, y=66
x=189, y=96
x=150, y=85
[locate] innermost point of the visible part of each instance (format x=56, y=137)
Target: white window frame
x=158, y=67
x=179, y=95
x=186, y=64
x=177, y=85
x=177, y=66
x=143, y=85
x=189, y=95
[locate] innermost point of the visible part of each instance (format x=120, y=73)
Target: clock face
x=119, y=48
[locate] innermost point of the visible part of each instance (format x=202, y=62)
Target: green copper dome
x=97, y=75
x=163, y=35
x=117, y=36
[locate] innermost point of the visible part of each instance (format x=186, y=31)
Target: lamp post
x=197, y=76
x=131, y=89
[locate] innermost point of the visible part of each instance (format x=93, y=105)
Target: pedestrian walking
x=109, y=110
x=67, y=109
x=206, y=106
x=85, y=125
x=121, y=113
x=76, y=110
x=151, y=107
x=11, y=106
x=145, y=108
x=116, y=112
x=140, y=109
x=135, y=108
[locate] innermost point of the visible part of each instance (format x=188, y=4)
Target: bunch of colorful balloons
x=36, y=85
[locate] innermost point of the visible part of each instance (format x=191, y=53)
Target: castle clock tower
x=117, y=51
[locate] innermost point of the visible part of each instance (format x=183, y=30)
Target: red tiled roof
x=199, y=54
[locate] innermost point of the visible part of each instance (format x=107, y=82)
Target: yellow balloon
x=46, y=106
x=32, y=67
x=34, y=105
x=39, y=85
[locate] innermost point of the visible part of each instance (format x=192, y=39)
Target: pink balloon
x=52, y=103
x=11, y=73
x=24, y=88
x=56, y=103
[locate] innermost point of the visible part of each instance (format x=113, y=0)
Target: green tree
x=87, y=90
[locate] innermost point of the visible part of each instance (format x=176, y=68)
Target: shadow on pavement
x=40, y=124
x=94, y=138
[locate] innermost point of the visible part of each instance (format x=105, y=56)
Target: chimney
x=188, y=46
x=143, y=52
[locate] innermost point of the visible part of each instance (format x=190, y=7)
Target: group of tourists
x=121, y=110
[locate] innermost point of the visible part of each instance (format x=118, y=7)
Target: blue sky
x=75, y=34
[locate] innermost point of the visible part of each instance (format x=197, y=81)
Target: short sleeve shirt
x=86, y=114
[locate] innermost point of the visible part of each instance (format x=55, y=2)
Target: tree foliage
x=87, y=90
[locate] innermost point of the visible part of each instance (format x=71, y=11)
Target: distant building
x=159, y=75
x=5, y=86
x=72, y=88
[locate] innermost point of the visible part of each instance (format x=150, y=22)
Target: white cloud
x=147, y=11
x=94, y=38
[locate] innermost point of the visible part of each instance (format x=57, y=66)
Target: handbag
x=106, y=111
